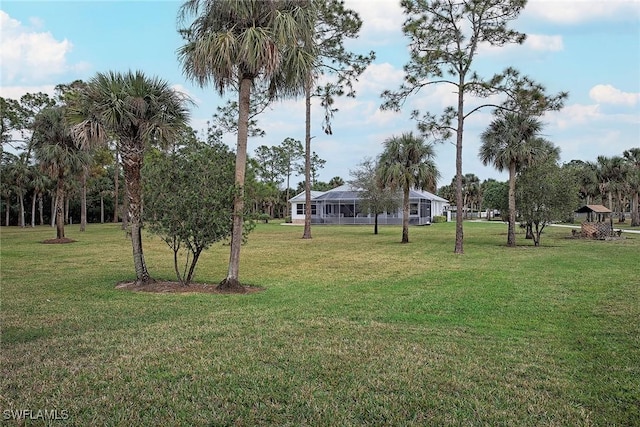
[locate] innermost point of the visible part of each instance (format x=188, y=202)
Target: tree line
x=28, y=191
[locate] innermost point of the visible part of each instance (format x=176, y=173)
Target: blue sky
x=589, y=48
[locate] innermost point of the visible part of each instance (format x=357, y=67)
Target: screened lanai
x=341, y=205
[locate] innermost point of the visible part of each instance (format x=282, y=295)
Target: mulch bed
x=58, y=241
x=164, y=286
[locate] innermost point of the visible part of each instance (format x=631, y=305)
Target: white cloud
x=378, y=15
x=607, y=94
x=378, y=77
x=15, y=92
x=575, y=114
x=577, y=11
x=533, y=43
x=541, y=42
x=27, y=55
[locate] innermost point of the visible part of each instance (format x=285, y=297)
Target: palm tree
x=236, y=45
x=7, y=187
x=632, y=156
x=39, y=183
x=406, y=163
x=21, y=176
x=58, y=154
x=137, y=110
x=507, y=145
x=336, y=181
x=585, y=174
x=619, y=172
x=470, y=191
x=605, y=176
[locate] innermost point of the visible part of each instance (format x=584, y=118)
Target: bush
x=287, y=219
x=439, y=218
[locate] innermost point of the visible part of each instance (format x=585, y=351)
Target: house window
x=300, y=208
x=413, y=209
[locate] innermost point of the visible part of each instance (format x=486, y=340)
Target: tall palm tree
x=21, y=175
x=585, y=174
x=632, y=156
x=619, y=172
x=406, y=163
x=7, y=187
x=58, y=154
x=604, y=173
x=507, y=145
x=238, y=45
x=137, y=110
x=39, y=183
x=470, y=191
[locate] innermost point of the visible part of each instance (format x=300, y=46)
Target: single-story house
x=341, y=205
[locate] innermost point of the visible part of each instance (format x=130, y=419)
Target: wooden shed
x=595, y=226
x=600, y=211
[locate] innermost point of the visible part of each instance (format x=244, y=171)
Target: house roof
x=300, y=197
x=343, y=192
x=593, y=208
x=348, y=192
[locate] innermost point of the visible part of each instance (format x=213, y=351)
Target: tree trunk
x=529, y=232
x=125, y=208
x=307, y=160
x=40, y=209
x=66, y=209
x=405, y=216
x=176, y=266
x=33, y=209
x=54, y=204
x=83, y=201
x=132, y=160
x=101, y=208
x=60, y=207
x=232, y=281
x=287, y=205
x=7, y=214
x=511, y=232
x=192, y=267
x=464, y=206
x=537, y=234
x=536, y=238
x=459, y=249
x=621, y=216
x=116, y=180
x=375, y=224
x=610, y=195
x=635, y=217
x=21, y=199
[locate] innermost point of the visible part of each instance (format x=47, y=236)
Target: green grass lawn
x=352, y=329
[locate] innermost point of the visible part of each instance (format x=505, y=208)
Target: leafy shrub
x=439, y=218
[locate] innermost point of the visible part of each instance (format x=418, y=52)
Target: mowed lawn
x=352, y=329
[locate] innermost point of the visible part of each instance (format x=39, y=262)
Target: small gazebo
x=596, y=226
